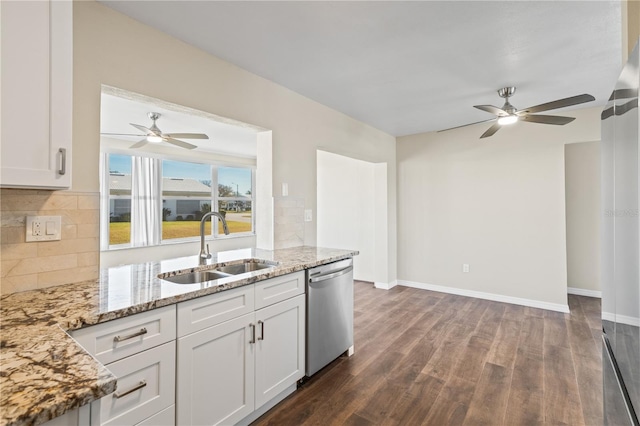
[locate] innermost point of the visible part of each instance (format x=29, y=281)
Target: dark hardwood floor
x=430, y=358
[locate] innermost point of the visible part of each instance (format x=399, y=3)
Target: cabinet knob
x=253, y=333
x=63, y=161
x=261, y=330
x=130, y=336
x=140, y=385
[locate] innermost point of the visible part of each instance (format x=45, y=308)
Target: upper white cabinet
x=36, y=45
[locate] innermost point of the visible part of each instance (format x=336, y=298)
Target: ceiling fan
x=154, y=135
x=508, y=114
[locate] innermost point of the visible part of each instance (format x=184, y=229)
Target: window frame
x=214, y=199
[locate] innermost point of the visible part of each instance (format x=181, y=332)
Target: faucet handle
x=208, y=252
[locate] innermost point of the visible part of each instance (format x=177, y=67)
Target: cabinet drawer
x=278, y=289
x=146, y=386
x=114, y=340
x=166, y=417
x=198, y=314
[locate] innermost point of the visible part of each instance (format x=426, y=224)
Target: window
x=186, y=196
x=119, y=179
x=235, y=198
x=187, y=191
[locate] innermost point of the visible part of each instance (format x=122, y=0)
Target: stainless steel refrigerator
x=620, y=255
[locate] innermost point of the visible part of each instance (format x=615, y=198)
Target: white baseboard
x=622, y=319
x=385, y=286
x=488, y=296
x=584, y=292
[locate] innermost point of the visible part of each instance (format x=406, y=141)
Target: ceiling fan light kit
x=508, y=119
x=153, y=134
x=508, y=114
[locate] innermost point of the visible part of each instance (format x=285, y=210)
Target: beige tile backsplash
x=288, y=221
x=27, y=266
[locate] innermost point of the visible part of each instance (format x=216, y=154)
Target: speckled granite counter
x=45, y=373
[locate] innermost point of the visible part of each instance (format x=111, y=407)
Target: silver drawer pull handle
x=253, y=333
x=261, y=330
x=140, y=385
x=63, y=161
x=130, y=336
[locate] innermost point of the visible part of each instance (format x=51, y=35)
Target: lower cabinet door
x=215, y=382
x=280, y=343
x=146, y=385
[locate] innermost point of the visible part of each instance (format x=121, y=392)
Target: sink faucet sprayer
x=204, y=255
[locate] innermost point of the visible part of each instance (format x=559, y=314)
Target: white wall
x=583, y=209
x=497, y=204
x=112, y=49
x=346, y=209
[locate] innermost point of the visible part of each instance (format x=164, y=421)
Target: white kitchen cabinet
x=140, y=350
x=36, y=100
x=216, y=373
x=280, y=346
x=279, y=288
x=113, y=340
x=146, y=386
x=203, y=312
x=229, y=370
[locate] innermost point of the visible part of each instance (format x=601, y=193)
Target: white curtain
x=146, y=201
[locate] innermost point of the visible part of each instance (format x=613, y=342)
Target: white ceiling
x=118, y=108
x=407, y=67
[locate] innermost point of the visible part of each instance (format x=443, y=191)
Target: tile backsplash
x=288, y=220
x=27, y=266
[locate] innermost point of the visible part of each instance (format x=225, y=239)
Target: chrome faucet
x=204, y=255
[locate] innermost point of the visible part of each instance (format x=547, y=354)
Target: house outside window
x=119, y=199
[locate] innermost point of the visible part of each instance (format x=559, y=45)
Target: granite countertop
x=45, y=373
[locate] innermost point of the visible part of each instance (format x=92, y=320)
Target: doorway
x=352, y=211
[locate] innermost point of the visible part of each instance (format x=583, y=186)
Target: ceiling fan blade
x=624, y=94
x=491, y=131
x=547, y=119
x=185, y=135
x=143, y=142
x=492, y=110
x=121, y=134
x=465, y=125
x=606, y=113
x=560, y=103
x=146, y=130
x=619, y=109
x=181, y=144
x=622, y=109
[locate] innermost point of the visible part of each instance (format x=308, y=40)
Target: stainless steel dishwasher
x=329, y=313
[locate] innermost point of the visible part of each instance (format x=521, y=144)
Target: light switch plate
x=43, y=228
x=308, y=215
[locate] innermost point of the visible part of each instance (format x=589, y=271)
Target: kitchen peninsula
x=46, y=373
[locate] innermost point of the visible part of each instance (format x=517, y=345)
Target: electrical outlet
x=465, y=267
x=308, y=215
x=43, y=228
x=36, y=228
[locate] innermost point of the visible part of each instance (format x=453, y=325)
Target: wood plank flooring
x=430, y=358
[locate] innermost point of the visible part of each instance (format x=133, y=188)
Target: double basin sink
x=217, y=272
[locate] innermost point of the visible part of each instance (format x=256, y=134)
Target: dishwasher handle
x=324, y=277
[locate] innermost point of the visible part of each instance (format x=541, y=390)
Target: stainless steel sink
x=241, y=268
x=196, y=277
